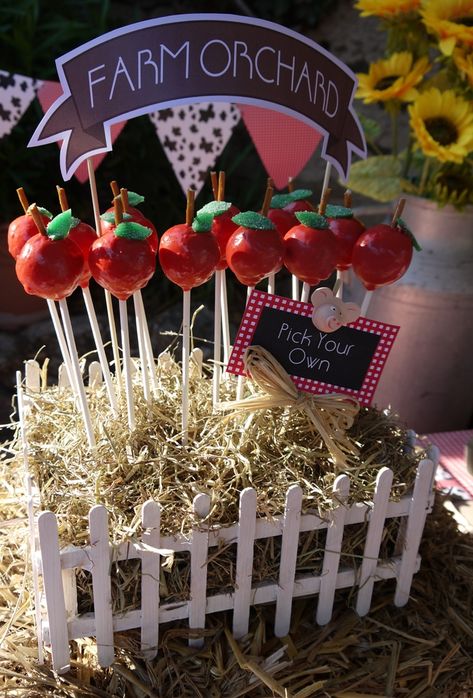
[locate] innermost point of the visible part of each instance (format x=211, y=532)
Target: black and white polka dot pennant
x=193, y=136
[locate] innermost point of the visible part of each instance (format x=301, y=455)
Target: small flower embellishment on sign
x=330, y=313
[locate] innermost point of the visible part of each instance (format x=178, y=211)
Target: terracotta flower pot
x=17, y=308
x=428, y=378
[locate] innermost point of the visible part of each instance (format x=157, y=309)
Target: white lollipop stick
x=141, y=349
x=125, y=337
x=241, y=379
x=326, y=182
x=366, y=303
x=217, y=337
x=147, y=343
x=225, y=319
x=186, y=319
x=295, y=288
x=272, y=283
x=339, y=284
x=305, y=292
x=63, y=346
x=108, y=296
x=84, y=408
x=100, y=350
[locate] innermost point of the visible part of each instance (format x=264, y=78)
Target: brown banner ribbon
x=184, y=59
x=331, y=415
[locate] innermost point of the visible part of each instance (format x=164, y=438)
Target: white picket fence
x=62, y=622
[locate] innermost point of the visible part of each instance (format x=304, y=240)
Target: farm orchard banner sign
x=183, y=59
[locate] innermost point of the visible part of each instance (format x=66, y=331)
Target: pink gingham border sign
x=259, y=300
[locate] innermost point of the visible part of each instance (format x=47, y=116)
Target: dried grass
x=425, y=649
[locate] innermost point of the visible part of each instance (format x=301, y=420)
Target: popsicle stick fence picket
x=62, y=623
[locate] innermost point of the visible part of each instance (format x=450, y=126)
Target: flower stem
x=394, y=113
x=424, y=176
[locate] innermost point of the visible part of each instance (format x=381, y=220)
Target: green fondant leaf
x=405, y=229
x=281, y=200
x=299, y=194
x=134, y=199
x=338, y=211
x=216, y=208
x=109, y=217
x=202, y=223
x=59, y=227
x=132, y=231
x=253, y=220
x=45, y=212
x=75, y=221
x=312, y=220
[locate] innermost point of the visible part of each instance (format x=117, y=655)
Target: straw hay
x=425, y=649
x=268, y=450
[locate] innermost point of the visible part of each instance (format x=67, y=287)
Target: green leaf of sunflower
x=378, y=177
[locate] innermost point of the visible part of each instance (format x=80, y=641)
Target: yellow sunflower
x=386, y=8
x=451, y=21
x=464, y=61
x=392, y=78
x=442, y=123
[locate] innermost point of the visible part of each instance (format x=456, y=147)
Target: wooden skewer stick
x=23, y=199
x=221, y=186
x=324, y=199
x=398, y=211
x=124, y=198
x=108, y=296
x=347, y=198
x=115, y=188
x=214, y=182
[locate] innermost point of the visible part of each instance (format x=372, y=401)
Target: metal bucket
x=428, y=378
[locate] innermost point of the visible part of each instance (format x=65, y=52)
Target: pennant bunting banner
x=48, y=93
x=16, y=94
x=284, y=144
x=193, y=136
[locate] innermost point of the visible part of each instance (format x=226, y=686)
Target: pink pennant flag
x=284, y=144
x=47, y=95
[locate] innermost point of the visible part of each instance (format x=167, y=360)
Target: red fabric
x=284, y=144
x=47, y=94
x=452, y=460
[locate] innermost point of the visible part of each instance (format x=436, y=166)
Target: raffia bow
x=330, y=414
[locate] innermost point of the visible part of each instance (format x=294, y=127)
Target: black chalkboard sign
x=349, y=360
x=339, y=358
